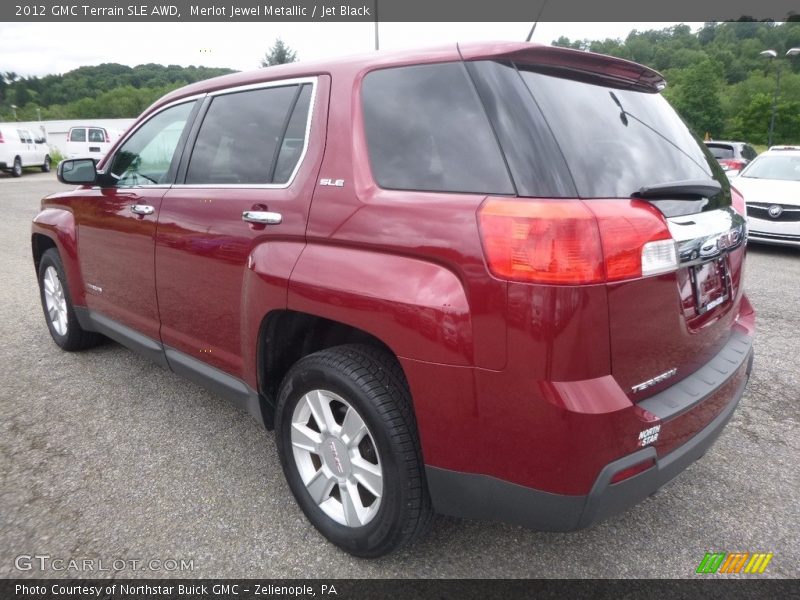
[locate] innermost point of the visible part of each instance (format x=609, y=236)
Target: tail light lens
x=737, y=201
x=574, y=242
x=2, y=141
x=108, y=139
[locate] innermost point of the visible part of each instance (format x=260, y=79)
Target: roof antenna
x=536, y=22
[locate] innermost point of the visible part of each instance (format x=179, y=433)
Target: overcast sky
x=44, y=48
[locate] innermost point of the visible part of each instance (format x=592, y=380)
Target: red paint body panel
x=526, y=383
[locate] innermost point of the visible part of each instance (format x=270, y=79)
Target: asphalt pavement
x=105, y=456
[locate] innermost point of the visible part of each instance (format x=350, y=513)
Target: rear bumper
x=477, y=496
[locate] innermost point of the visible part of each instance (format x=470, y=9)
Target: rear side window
x=251, y=137
x=97, y=135
x=719, y=151
x=749, y=152
x=426, y=130
x=77, y=135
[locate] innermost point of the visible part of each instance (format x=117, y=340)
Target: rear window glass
x=721, y=151
x=240, y=137
x=426, y=130
x=615, y=141
x=97, y=135
x=77, y=135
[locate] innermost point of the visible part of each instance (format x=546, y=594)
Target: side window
x=146, y=156
x=427, y=130
x=97, y=135
x=240, y=139
x=77, y=135
x=749, y=152
x=295, y=138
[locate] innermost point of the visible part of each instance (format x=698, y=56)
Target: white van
x=89, y=142
x=21, y=148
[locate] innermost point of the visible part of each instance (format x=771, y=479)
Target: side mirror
x=40, y=141
x=78, y=171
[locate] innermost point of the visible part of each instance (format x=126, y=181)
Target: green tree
x=279, y=54
x=696, y=96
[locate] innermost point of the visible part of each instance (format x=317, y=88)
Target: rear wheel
x=47, y=164
x=16, y=170
x=64, y=327
x=349, y=449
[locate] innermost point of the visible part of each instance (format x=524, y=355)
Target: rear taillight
x=574, y=242
x=2, y=141
x=108, y=139
x=737, y=201
x=732, y=164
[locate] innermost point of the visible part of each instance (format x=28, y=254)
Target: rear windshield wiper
x=689, y=189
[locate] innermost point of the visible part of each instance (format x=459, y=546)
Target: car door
x=97, y=144
x=27, y=151
x=116, y=221
x=241, y=208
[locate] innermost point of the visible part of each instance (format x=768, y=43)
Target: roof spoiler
x=582, y=65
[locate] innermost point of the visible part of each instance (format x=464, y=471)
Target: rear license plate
x=710, y=285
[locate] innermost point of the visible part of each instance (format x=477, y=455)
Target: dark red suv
x=495, y=281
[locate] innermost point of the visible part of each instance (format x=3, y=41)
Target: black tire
x=47, y=164
x=75, y=337
x=16, y=170
x=372, y=383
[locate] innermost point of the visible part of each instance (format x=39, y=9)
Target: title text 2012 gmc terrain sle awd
x=492, y=280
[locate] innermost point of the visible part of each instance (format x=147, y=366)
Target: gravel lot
x=104, y=455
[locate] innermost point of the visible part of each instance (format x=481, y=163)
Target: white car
x=20, y=148
x=770, y=185
x=89, y=142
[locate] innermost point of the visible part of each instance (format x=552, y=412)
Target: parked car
x=732, y=156
x=771, y=187
x=443, y=290
x=20, y=148
x=89, y=142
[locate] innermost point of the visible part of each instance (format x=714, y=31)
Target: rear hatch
x=595, y=130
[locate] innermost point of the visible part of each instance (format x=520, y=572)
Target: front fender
x=417, y=308
x=58, y=225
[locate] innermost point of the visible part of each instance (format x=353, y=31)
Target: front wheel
x=47, y=164
x=348, y=444
x=16, y=170
x=64, y=327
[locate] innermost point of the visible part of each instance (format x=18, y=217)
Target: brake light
x=731, y=164
x=108, y=139
x=575, y=242
x=737, y=202
x=2, y=141
x=636, y=239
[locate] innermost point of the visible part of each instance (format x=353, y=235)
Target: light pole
x=14, y=110
x=772, y=54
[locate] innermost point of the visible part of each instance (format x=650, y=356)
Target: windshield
x=775, y=166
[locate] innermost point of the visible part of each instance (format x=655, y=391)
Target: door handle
x=262, y=217
x=142, y=209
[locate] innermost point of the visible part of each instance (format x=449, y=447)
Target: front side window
x=77, y=135
x=146, y=157
x=252, y=137
x=426, y=130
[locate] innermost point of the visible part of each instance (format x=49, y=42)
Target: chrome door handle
x=142, y=209
x=262, y=217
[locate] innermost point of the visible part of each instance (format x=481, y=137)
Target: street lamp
x=14, y=110
x=772, y=54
